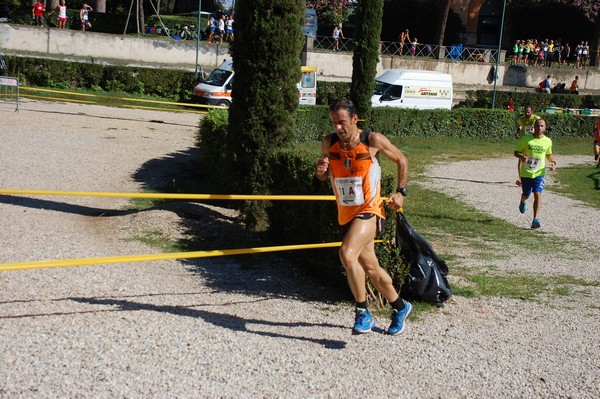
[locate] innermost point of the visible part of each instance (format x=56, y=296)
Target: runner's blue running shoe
x=536, y=224
x=399, y=319
x=522, y=207
x=363, y=321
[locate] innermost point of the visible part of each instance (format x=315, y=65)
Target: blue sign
x=310, y=22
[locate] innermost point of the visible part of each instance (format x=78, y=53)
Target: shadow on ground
x=209, y=227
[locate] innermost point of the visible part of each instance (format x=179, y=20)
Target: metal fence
x=455, y=52
x=9, y=91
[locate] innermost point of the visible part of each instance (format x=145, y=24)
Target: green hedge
x=162, y=83
x=486, y=124
x=328, y=92
x=539, y=101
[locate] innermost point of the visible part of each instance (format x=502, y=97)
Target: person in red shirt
x=37, y=12
x=575, y=86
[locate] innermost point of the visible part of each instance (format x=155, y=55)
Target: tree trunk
x=140, y=17
x=595, y=47
x=443, y=19
x=100, y=6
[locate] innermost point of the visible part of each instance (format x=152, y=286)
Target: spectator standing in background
x=540, y=56
x=584, y=55
x=526, y=52
x=221, y=28
x=521, y=49
x=229, y=28
x=402, y=38
x=557, y=53
x=37, y=12
x=549, y=56
x=413, y=47
x=84, y=16
x=337, y=33
x=566, y=54
x=210, y=29
x=62, y=14
x=515, y=52
x=579, y=52
x=545, y=49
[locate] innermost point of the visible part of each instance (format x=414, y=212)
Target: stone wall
x=164, y=52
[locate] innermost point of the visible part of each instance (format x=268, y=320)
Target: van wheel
x=223, y=103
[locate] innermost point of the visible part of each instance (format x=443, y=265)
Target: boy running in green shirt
x=532, y=150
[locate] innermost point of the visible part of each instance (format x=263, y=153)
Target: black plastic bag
x=426, y=279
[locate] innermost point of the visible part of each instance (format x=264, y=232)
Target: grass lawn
x=449, y=223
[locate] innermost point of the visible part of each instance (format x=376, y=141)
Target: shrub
x=265, y=96
x=366, y=55
x=328, y=92
x=166, y=84
x=539, y=101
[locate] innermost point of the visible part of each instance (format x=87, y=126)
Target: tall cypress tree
x=366, y=54
x=266, y=60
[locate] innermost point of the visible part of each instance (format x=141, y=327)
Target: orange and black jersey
x=355, y=178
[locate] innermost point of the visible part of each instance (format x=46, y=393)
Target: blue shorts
x=535, y=185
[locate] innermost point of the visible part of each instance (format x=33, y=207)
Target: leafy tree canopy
x=330, y=12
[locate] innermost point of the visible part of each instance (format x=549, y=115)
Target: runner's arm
x=322, y=166
x=393, y=153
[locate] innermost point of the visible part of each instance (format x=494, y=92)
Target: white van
x=216, y=88
x=413, y=89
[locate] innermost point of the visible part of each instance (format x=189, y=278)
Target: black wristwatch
x=402, y=190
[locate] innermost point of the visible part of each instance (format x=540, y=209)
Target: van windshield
x=391, y=92
x=218, y=77
x=381, y=87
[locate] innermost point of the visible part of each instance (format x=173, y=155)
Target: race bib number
x=533, y=163
x=350, y=192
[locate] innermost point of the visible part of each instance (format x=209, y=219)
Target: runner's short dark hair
x=345, y=104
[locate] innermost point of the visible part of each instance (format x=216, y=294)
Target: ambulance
x=405, y=88
x=216, y=88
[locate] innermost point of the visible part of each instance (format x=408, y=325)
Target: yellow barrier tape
x=171, y=196
x=58, y=99
x=45, y=264
x=142, y=258
x=56, y=91
x=111, y=98
x=71, y=100
x=161, y=109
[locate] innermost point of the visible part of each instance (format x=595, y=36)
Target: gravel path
x=236, y=327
